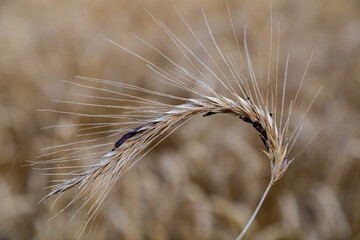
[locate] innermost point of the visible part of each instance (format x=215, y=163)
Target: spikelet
x=154, y=121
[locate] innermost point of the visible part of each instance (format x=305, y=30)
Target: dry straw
x=225, y=84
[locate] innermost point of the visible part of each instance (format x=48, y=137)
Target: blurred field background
x=204, y=181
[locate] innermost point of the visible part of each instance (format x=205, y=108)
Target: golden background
x=204, y=181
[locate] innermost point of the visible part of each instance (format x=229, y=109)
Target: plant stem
x=255, y=212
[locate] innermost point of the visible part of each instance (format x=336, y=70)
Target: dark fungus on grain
x=209, y=114
x=260, y=129
x=127, y=136
x=246, y=119
x=266, y=143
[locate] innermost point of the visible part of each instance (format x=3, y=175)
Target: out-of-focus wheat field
x=205, y=180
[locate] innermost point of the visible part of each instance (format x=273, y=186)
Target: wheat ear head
x=250, y=103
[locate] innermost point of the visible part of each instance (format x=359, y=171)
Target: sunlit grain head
x=219, y=82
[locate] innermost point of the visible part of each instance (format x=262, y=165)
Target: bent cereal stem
x=255, y=212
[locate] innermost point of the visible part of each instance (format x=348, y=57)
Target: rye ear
x=227, y=88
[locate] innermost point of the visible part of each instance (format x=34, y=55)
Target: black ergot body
x=127, y=136
x=259, y=128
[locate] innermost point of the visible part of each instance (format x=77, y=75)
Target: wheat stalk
x=154, y=121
